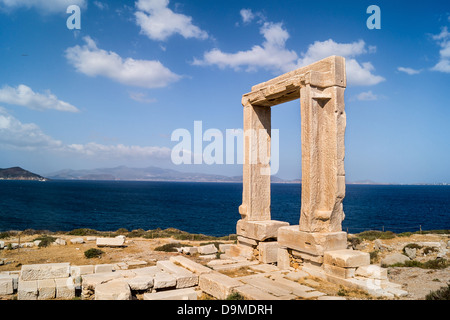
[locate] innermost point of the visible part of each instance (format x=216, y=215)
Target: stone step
x=292, y=286
x=263, y=268
x=268, y=285
x=190, y=265
x=234, y=266
x=178, y=294
x=331, y=298
x=117, y=289
x=250, y=292
x=184, y=277
x=217, y=285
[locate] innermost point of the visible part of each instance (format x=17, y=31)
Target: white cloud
x=96, y=150
x=46, y=6
x=141, y=97
x=101, y=5
x=92, y=61
x=28, y=136
x=247, y=15
x=367, y=96
x=271, y=55
x=158, y=22
x=359, y=74
x=26, y=97
x=409, y=71
x=16, y=134
x=443, y=39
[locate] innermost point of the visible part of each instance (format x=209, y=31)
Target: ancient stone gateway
x=320, y=88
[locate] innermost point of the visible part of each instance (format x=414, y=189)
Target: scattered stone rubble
x=272, y=272
x=182, y=278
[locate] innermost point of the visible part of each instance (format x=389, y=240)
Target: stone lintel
x=323, y=74
x=313, y=243
x=259, y=230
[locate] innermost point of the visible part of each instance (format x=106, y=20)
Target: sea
x=206, y=208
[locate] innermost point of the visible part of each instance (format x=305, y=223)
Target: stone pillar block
x=27, y=290
x=46, y=289
x=259, y=230
x=347, y=258
x=240, y=251
x=313, y=243
x=268, y=252
x=256, y=169
x=45, y=271
x=6, y=285
x=372, y=272
x=65, y=288
x=339, y=272
x=218, y=285
x=283, y=259
x=116, y=289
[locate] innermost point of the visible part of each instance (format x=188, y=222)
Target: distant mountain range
x=17, y=173
x=146, y=174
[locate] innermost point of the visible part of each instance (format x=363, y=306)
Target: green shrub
x=4, y=235
x=121, y=231
x=45, y=241
x=93, y=253
x=235, y=296
x=342, y=292
x=431, y=264
x=31, y=232
x=441, y=294
x=354, y=241
x=411, y=246
x=138, y=233
x=374, y=234
x=428, y=250
x=169, y=247
x=373, y=256
x=215, y=243
x=83, y=232
x=404, y=234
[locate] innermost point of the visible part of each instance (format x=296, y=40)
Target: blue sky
x=113, y=92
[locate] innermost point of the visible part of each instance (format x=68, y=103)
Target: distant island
x=17, y=173
x=124, y=173
x=147, y=174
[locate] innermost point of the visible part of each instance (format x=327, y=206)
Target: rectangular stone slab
x=190, y=265
x=259, y=230
x=27, y=290
x=327, y=72
x=46, y=289
x=311, y=242
x=218, y=285
x=45, y=271
x=6, y=285
x=347, y=258
x=178, y=294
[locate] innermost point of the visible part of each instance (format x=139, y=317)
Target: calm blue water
x=208, y=208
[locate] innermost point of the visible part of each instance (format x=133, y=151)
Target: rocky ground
x=418, y=281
